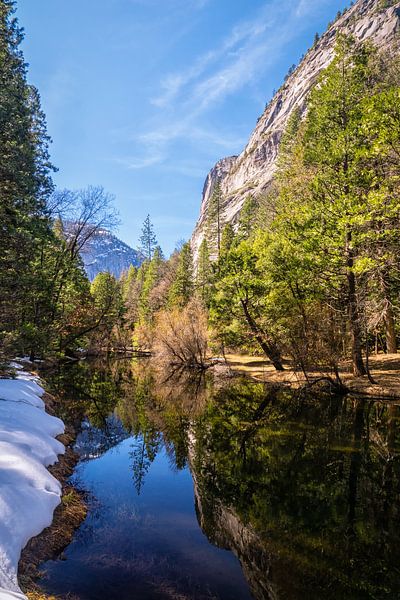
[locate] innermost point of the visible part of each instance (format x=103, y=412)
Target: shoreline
x=72, y=510
x=385, y=369
x=67, y=517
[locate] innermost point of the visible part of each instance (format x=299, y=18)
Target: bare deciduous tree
x=82, y=213
x=181, y=336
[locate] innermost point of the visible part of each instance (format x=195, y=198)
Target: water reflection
x=303, y=490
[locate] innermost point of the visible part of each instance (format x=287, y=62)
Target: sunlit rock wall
x=251, y=172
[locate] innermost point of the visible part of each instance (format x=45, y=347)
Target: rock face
x=105, y=252
x=252, y=171
x=220, y=172
x=224, y=529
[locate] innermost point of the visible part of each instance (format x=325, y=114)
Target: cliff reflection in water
x=303, y=489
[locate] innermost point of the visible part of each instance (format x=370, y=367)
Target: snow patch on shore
x=28, y=492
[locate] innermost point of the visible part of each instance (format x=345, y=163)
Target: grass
x=385, y=369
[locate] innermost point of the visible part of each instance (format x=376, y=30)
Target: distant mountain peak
x=104, y=252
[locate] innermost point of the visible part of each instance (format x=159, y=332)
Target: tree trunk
x=391, y=341
x=388, y=316
x=355, y=465
x=353, y=312
x=268, y=347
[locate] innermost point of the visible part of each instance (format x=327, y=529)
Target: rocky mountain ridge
x=252, y=171
x=107, y=253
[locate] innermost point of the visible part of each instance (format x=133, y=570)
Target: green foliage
x=227, y=240
x=214, y=221
x=148, y=240
x=248, y=218
x=151, y=273
x=182, y=288
x=387, y=3
x=107, y=297
x=332, y=192
x=314, y=265
x=242, y=294
x=289, y=138
x=127, y=281
x=25, y=183
x=204, y=275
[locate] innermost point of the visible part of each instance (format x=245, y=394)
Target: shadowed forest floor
x=385, y=370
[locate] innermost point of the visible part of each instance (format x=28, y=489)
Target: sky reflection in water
x=304, y=490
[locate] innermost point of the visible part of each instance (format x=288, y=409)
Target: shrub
x=182, y=337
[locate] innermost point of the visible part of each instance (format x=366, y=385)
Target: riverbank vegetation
x=309, y=274
x=311, y=271
x=46, y=304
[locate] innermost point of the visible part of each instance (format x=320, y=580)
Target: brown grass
x=39, y=596
x=385, y=369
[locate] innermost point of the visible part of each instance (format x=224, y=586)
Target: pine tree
x=127, y=280
x=238, y=304
x=248, y=218
x=182, y=288
x=326, y=208
x=107, y=296
x=227, y=240
x=204, y=275
x=152, y=274
x=25, y=183
x=380, y=245
x=148, y=240
x=214, y=221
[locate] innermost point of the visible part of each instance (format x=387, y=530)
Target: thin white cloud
x=133, y=163
x=306, y=7
x=187, y=97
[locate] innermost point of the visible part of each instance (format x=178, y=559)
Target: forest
x=140, y=455
x=311, y=269
x=309, y=273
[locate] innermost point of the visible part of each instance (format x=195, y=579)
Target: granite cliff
x=252, y=171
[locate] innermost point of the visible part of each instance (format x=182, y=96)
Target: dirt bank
x=67, y=517
x=385, y=370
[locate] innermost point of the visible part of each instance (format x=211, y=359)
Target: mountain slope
x=252, y=171
x=105, y=252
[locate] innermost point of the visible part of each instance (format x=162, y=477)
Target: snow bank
x=28, y=492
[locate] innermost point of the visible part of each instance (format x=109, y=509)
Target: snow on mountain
x=105, y=252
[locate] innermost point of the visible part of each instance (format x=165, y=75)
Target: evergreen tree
x=380, y=246
x=152, y=274
x=108, y=302
x=204, y=275
x=182, y=288
x=148, y=240
x=238, y=309
x=227, y=240
x=289, y=138
x=127, y=281
x=248, y=218
x=334, y=200
x=25, y=184
x=214, y=221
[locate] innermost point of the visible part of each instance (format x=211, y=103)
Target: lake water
x=202, y=489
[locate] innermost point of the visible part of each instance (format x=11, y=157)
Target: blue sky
x=144, y=96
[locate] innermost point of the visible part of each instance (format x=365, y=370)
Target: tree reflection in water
x=303, y=489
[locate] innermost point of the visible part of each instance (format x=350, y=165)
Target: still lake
x=208, y=488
